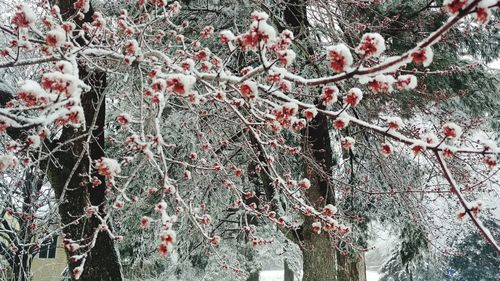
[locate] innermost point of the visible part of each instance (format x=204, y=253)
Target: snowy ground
x=372, y=276
x=271, y=275
x=277, y=275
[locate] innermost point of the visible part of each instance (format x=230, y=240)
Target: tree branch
x=455, y=190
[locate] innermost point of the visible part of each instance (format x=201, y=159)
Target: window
x=48, y=248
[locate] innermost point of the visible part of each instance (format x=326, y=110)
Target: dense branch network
x=191, y=74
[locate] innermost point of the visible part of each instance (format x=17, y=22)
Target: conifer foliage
x=201, y=110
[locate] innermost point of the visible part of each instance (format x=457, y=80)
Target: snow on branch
x=468, y=207
x=191, y=121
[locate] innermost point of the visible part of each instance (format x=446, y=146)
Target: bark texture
x=351, y=268
x=321, y=260
x=289, y=275
x=254, y=276
x=69, y=176
x=318, y=250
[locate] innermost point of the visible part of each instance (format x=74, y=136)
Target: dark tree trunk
x=321, y=260
x=21, y=234
x=254, y=276
x=351, y=268
x=21, y=267
x=318, y=258
x=103, y=260
x=318, y=250
x=102, y=263
x=289, y=275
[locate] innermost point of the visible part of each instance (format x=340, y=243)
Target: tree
x=474, y=255
x=20, y=217
x=190, y=115
x=65, y=171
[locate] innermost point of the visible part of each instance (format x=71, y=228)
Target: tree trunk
x=289, y=274
x=102, y=262
x=351, y=268
x=22, y=260
x=22, y=266
x=72, y=186
x=320, y=262
x=254, y=276
x=68, y=171
x=318, y=250
x=318, y=254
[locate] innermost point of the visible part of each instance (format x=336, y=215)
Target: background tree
x=25, y=217
x=474, y=255
x=199, y=126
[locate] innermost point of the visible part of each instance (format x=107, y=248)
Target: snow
x=226, y=36
x=286, y=57
x=310, y=113
x=267, y=30
x=66, y=84
x=31, y=87
x=372, y=275
x=371, y=45
x=353, y=97
x=180, y=84
x=487, y=3
x=340, y=57
x=494, y=65
x=291, y=108
x=278, y=275
x=406, y=82
x=132, y=47
x=259, y=16
x=341, y=121
x=64, y=67
x=394, y=123
x=386, y=149
x=329, y=210
x=83, y=5
x=248, y=89
x=34, y=141
x=380, y=84
x=187, y=64
x=28, y=13
x=108, y=167
x=304, y=183
x=185, y=84
x=452, y=130
x=56, y=37
x=329, y=95
x=24, y=17
x=424, y=56
x=8, y=162
x=272, y=275
x=347, y=142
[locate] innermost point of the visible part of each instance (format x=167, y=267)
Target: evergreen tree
x=475, y=260
x=219, y=141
